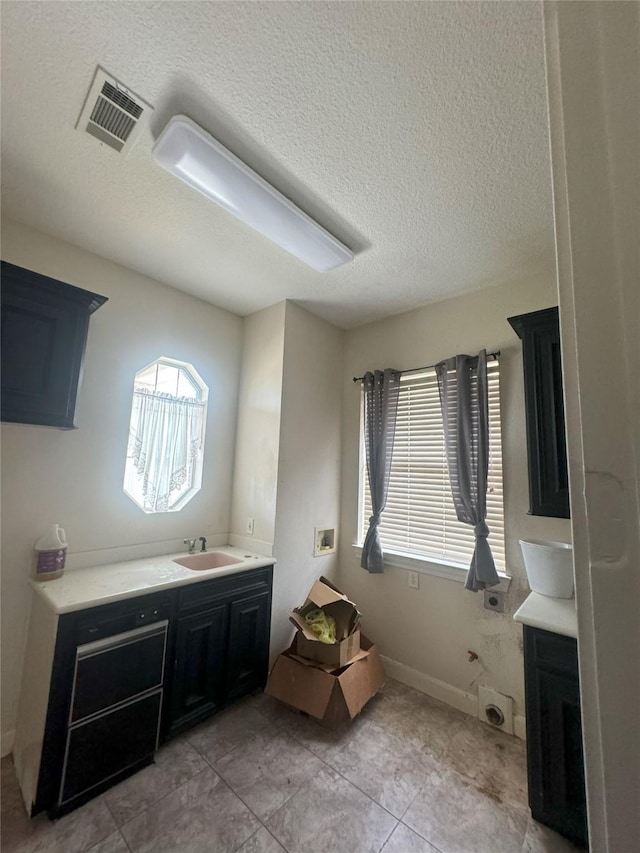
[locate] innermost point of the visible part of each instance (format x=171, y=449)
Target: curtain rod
x=490, y=357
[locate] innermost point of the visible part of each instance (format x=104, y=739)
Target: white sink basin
x=207, y=560
x=549, y=567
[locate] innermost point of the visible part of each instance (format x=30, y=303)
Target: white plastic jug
x=549, y=567
x=51, y=554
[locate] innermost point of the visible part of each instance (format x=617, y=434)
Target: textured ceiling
x=415, y=132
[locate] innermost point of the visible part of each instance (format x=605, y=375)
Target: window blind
x=420, y=518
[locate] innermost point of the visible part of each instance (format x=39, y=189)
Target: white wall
x=75, y=477
x=258, y=434
x=431, y=629
x=309, y=461
x=593, y=79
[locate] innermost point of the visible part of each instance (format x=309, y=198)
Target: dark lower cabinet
x=221, y=645
x=554, y=733
x=198, y=667
x=248, y=653
x=128, y=675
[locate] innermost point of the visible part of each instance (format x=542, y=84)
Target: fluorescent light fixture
x=192, y=155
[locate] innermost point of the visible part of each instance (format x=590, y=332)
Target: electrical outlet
x=494, y=601
x=250, y=526
x=414, y=580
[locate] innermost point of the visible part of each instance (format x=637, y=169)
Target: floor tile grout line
x=349, y=782
x=247, y=840
x=415, y=831
x=386, y=841
x=224, y=782
x=355, y=785
x=236, y=746
x=157, y=802
x=109, y=809
x=247, y=806
x=402, y=823
x=307, y=781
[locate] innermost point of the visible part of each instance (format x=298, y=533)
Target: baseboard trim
x=520, y=726
x=447, y=693
x=6, y=742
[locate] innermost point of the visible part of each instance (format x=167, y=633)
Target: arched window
x=166, y=436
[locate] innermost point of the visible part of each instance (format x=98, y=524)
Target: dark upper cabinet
x=546, y=446
x=44, y=334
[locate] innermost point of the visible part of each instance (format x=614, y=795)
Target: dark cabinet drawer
x=109, y=744
x=110, y=671
x=201, y=595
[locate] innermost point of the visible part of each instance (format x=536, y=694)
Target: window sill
x=432, y=566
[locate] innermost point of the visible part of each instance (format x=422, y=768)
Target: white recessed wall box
x=324, y=541
x=191, y=154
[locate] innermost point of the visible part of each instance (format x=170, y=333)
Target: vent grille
x=122, y=100
x=112, y=114
x=112, y=119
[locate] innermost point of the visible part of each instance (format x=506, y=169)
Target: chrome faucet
x=204, y=543
x=192, y=545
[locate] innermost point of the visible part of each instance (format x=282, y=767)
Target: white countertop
x=82, y=588
x=550, y=614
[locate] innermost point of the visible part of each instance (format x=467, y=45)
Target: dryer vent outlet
x=496, y=709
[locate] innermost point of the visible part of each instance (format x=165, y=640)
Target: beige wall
x=75, y=477
x=431, y=629
x=288, y=452
x=255, y=481
x=309, y=461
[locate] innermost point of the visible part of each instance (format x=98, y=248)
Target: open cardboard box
x=334, y=697
x=327, y=597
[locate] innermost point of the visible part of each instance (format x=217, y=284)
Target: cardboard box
x=325, y=596
x=336, y=655
x=334, y=697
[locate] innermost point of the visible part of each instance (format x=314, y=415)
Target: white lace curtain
x=164, y=442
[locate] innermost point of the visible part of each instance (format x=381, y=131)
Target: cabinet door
x=44, y=332
x=546, y=444
x=554, y=734
x=248, y=655
x=199, y=666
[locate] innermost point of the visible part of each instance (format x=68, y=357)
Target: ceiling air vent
x=112, y=113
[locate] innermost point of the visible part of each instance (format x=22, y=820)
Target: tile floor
x=410, y=775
